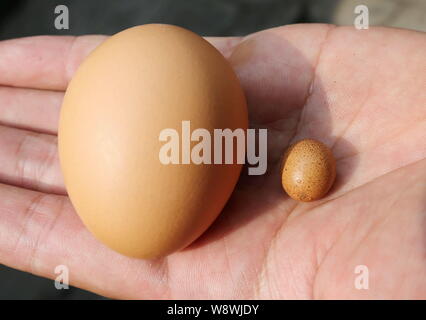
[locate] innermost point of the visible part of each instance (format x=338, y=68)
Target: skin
x=361, y=92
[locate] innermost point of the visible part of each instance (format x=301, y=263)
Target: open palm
x=362, y=92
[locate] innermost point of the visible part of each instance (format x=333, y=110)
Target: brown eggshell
x=308, y=170
x=134, y=85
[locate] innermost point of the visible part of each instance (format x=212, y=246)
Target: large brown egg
x=133, y=86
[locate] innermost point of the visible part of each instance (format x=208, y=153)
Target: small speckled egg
x=308, y=170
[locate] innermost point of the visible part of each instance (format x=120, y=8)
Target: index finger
x=43, y=62
x=49, y=62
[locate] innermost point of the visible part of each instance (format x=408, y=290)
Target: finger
x=36, y=110
x=39, y=232
x=43, y=62
x=30, y=160
x=225, y=45
x=48, y=62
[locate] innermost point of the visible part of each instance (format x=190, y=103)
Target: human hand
x=362, y=92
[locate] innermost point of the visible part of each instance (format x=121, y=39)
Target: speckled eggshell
x=308, y=170
x=133, y=86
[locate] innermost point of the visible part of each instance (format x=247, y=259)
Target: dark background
x=19, y=18
x=207, y=17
